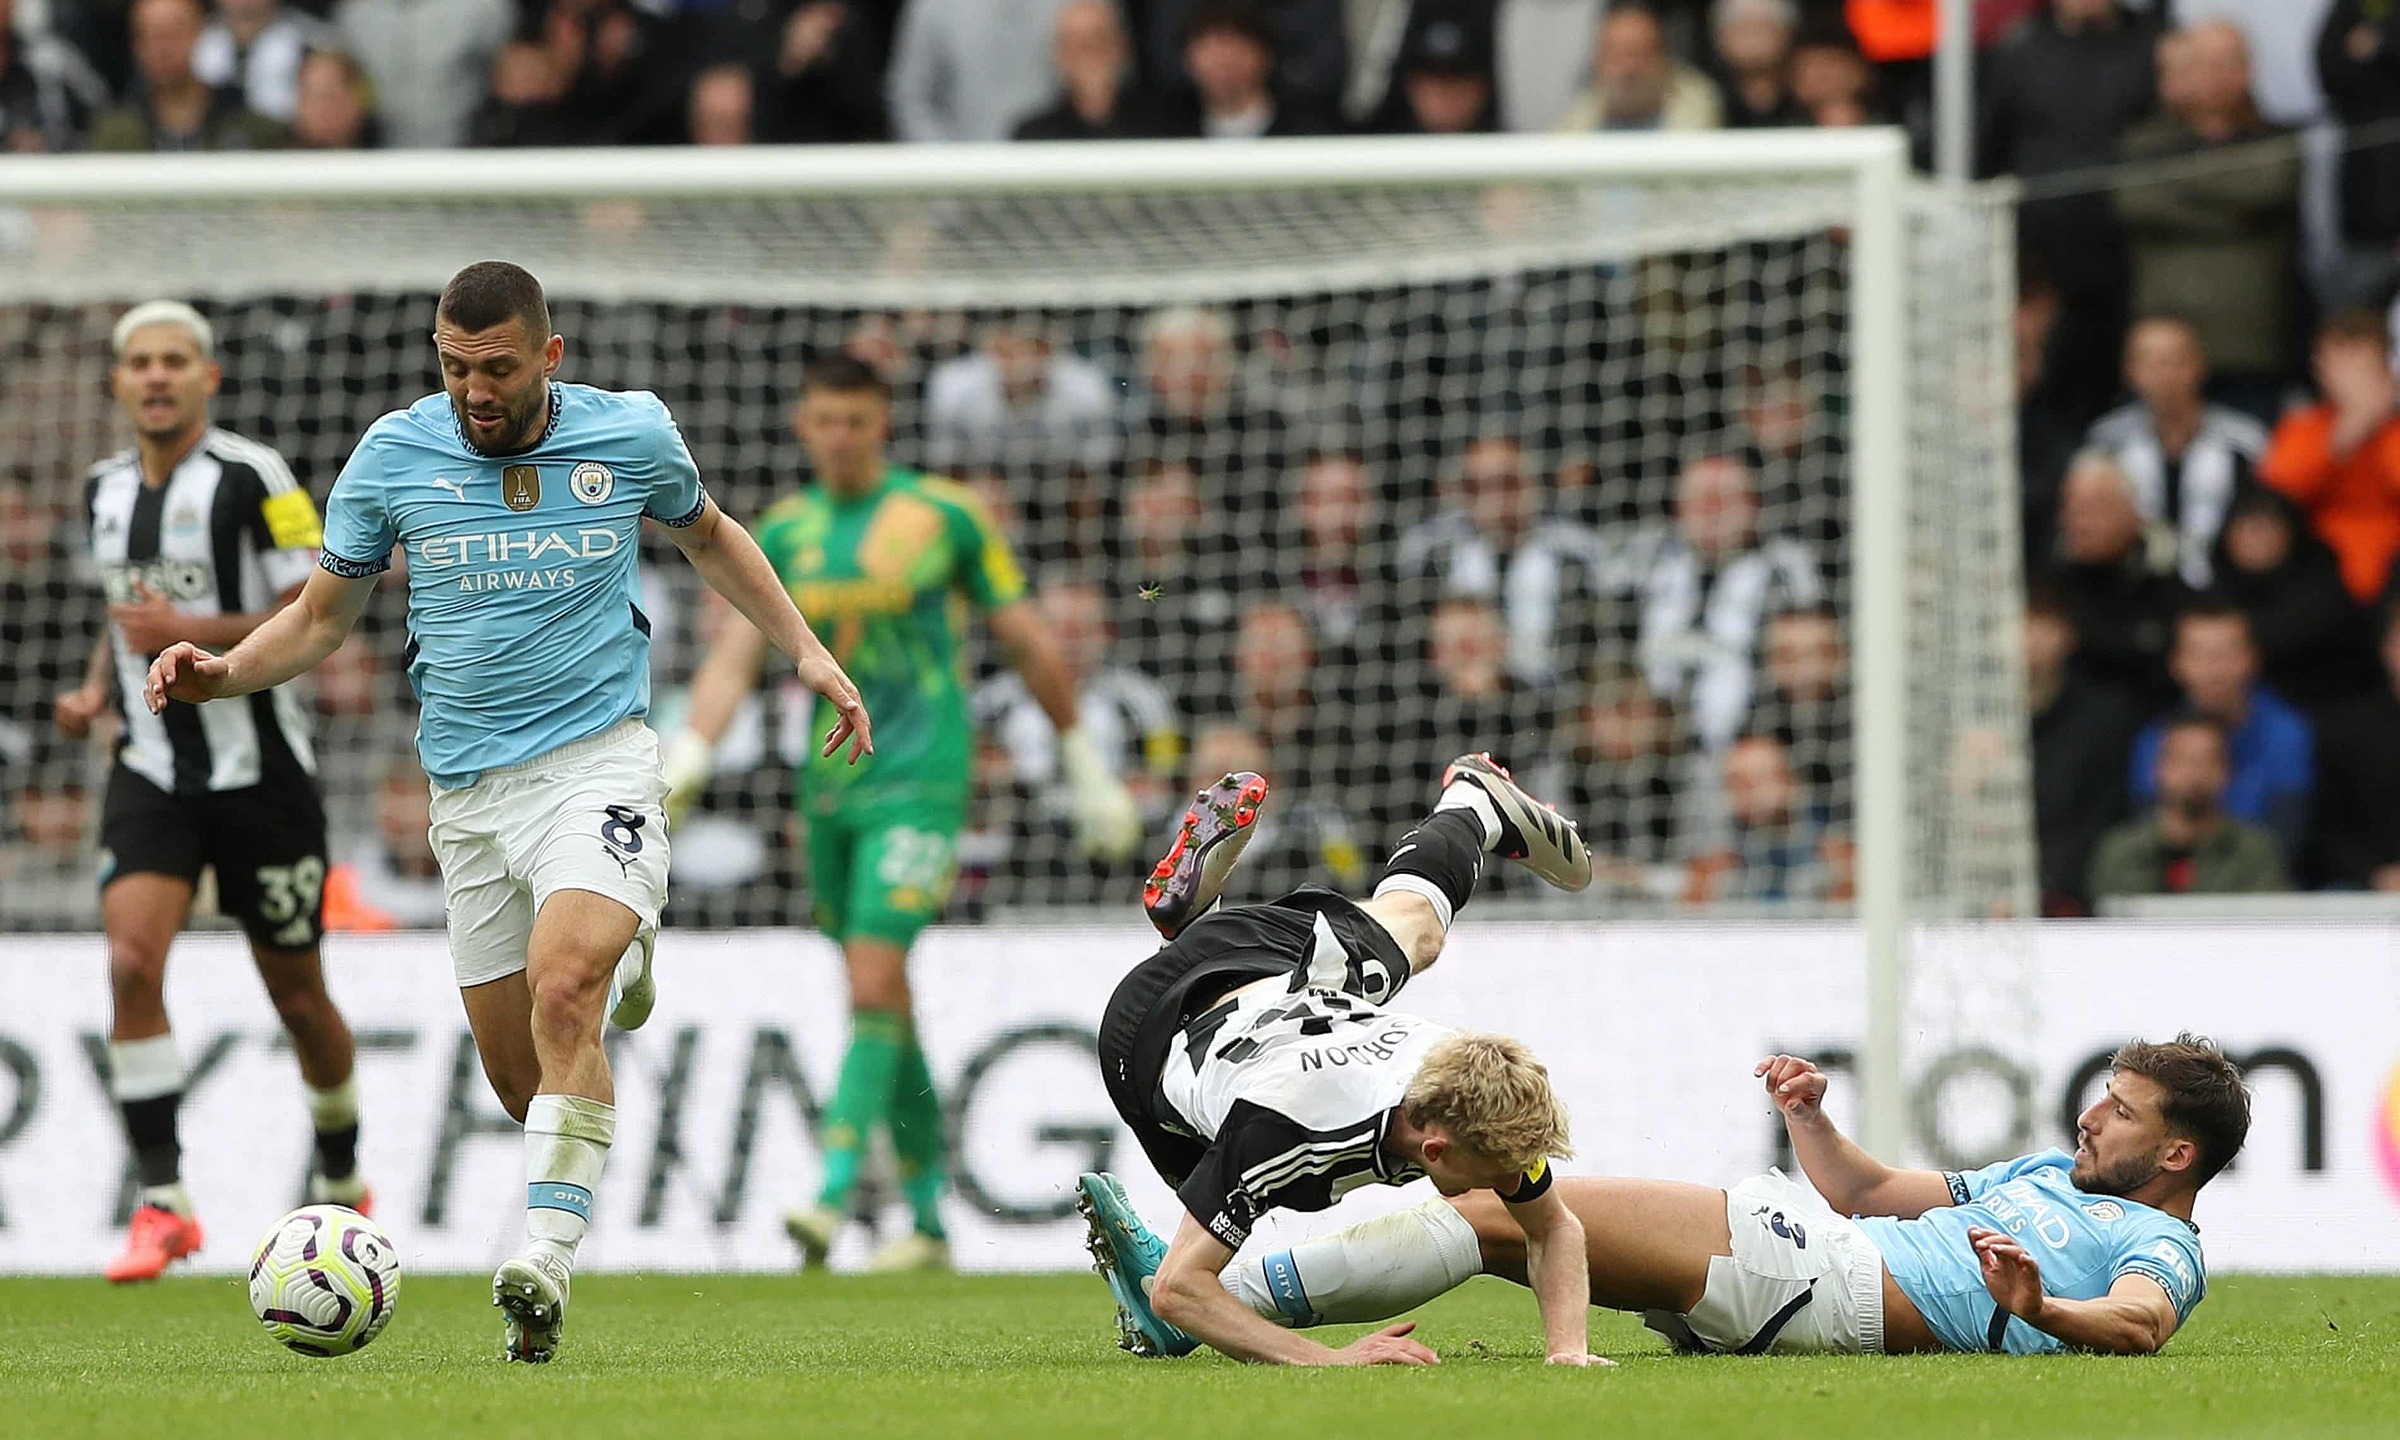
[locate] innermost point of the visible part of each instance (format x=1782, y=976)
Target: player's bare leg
x=295, y=981
x=1414, y=924
x=142, y=914
x=500, y=1013
x=1649, y=1241
x=578, y=938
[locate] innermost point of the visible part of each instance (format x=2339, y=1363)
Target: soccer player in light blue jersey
x=2094, y=1250
x=518, y=501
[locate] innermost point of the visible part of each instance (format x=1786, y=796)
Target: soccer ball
x=325, y=1279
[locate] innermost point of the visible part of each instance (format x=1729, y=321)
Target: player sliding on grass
x=519, y=502
x=2090, y=1251
x=1255, y=1063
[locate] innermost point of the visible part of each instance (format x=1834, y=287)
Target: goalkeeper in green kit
x=879, y=556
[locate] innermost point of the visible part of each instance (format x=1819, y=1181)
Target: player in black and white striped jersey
x=199, y=534
x=1257, y=1067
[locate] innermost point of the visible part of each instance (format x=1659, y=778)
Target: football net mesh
x=1331, y=482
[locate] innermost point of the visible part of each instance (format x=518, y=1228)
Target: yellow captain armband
x=1162, y=751
x=292, y=521
x=1535, y=1184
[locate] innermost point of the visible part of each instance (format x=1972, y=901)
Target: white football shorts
x=587, y=816
x=1801, y=1280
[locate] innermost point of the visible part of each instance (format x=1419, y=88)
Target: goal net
x=1329, y=460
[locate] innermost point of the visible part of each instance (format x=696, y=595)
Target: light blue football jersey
x=524, y=631
x=2082, y=1241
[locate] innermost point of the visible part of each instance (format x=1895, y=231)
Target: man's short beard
x=2120, y=1180
x=522, y=433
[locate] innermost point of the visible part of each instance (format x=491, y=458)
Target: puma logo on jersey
x=457, y=488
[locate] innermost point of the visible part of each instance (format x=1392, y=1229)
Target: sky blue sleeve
x=1970, y=1185
x=358, y=522
x=676, y=498
x=2169, y=1255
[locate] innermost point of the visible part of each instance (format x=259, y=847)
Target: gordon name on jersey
x=524, y=631
x=1293, y=1089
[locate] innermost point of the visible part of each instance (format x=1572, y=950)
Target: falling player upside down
x=2094, y=1250
x=1255, y=1063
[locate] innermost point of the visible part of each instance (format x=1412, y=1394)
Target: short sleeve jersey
x=228, y=533
x=524, y=631
x=1293, y=1089
x=887, y=578
x=2083, y=1243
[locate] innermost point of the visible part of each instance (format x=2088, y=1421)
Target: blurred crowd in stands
x=2207, y=432
x=344, y=74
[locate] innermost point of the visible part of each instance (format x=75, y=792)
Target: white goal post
x=1683, y=261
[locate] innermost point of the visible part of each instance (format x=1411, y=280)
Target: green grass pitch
x=884, y=1357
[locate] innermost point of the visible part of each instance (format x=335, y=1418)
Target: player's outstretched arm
x=292, y=640
x=1852, y=1181
x=1108, y=822
x=733, y=565
x=2135, y=1317
x=1188, y=1295
x=1561, y=1275
x=152, y=622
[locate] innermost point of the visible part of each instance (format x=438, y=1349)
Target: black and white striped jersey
x=1292, y=1083
x=228, y=532
x=2192, y=492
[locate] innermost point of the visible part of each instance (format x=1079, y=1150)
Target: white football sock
x=144, y=1069
x=566, y=1147
x=169, y=1197
x=335, y=1106
x=1371, y=1271
x=1469, y=796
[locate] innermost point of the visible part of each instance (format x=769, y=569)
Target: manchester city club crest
x=592, y=482
x=521, y=486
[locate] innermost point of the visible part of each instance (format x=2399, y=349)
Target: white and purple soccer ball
x=325, y=1280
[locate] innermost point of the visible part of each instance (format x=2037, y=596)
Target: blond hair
x=1493, y=1097
x=164, y=312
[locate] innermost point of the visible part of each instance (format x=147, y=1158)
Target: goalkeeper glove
x=1108, y=824
x=686, y=764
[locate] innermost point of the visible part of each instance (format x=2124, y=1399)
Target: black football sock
x=150, y=1130
x=1441, y=860
x=334, y=1113
x=146, y=1078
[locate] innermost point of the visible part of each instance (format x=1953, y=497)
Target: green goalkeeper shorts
x=882, y=869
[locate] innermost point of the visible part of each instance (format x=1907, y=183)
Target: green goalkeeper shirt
x=887, y=578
